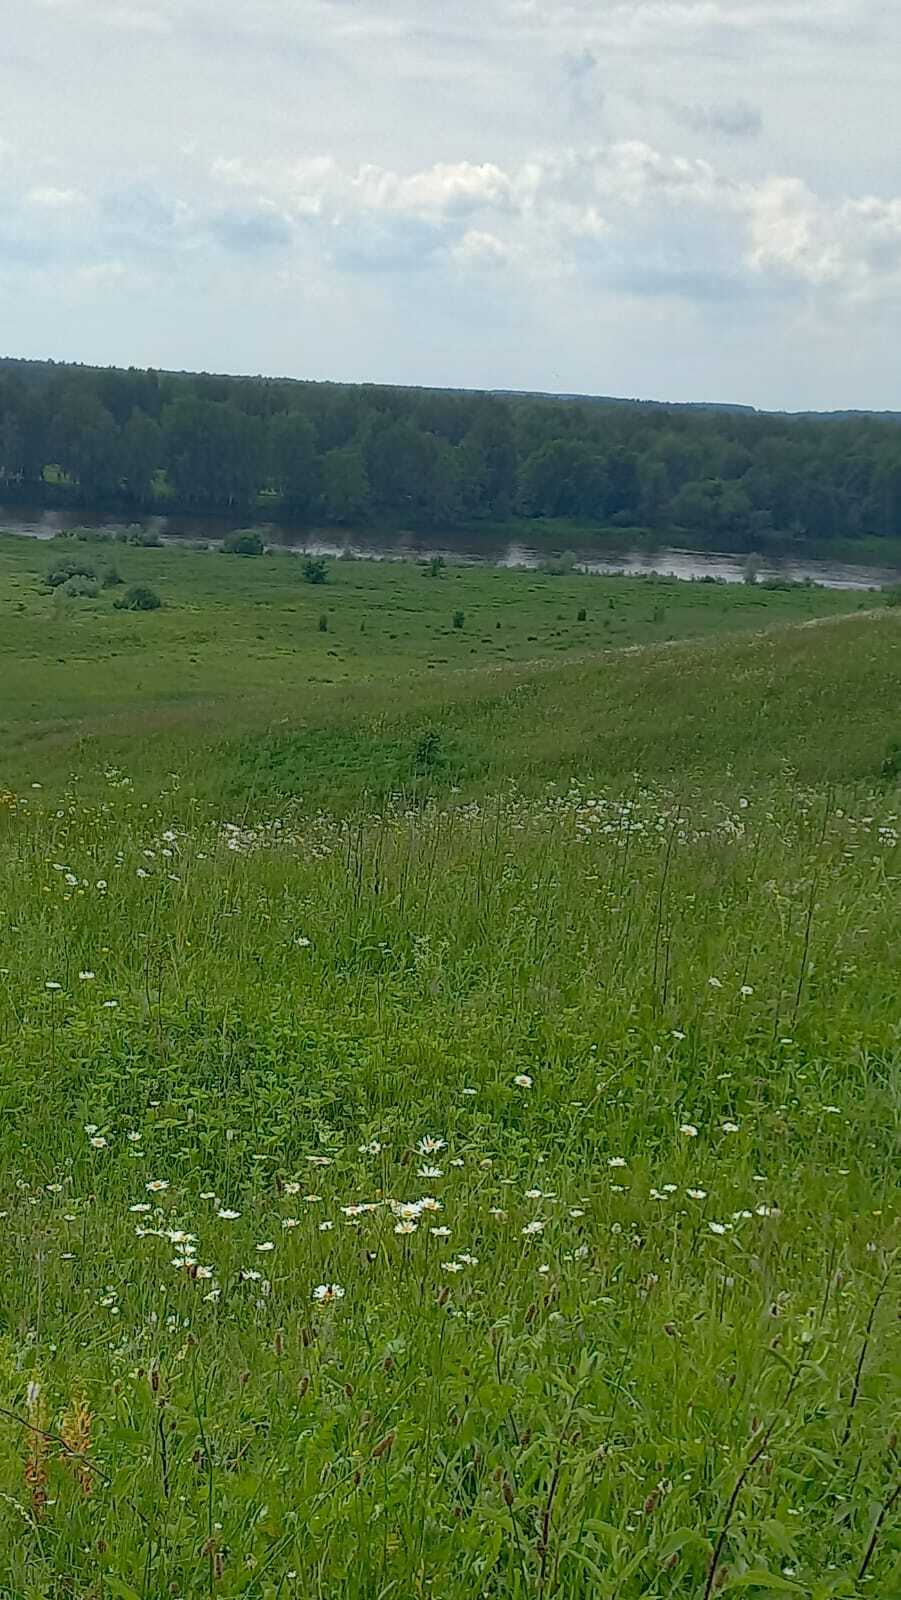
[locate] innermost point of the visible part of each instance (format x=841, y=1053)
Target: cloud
x=50, y=199
x=250, y=232
x=853, y=248
x=628, y=217
x=581, y=79
x=735, y=119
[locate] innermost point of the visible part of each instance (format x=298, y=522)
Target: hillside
x=448, y=1082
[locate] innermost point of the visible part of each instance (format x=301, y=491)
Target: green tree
x=142, y=455
x=345, y=486
x=295, y=463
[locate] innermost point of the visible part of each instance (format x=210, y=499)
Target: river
x=378, y=545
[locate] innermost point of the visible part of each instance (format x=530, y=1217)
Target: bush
x=435, y=566
x=891, y=766
x=69, y=567
x=139, y=598
x=145, y=538
x=243, y=542
x=582, y=615
x=559, y=566
x=458, y=619
x=81, y=588
x=315, y=569
x=111, y=577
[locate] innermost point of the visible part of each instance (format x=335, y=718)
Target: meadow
x=449, y=1113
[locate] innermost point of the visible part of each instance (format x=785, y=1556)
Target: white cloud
x=379, y=182
x=51, y=199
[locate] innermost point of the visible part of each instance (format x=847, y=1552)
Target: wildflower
x=719, y=1227
x=290, y=1222
x=430, y=1172
x=429, y=1146
x=499, y=1213
x=696, y=1194
x=457, y=1161
x=291, y=1188
x=689, y=1130
x=98, y=1142
x=428, y=1203
x=250, y=1275
x=227, y=1215
x=266, y=1245
x=326, y=1227
x=86, y=976
x=576, y=1211
x=730, y=1127
x=133, y=1138
x=204, y=1272
x=451, y=1266
x=302, y=942
x=90, y=1127
x=373, y=1148
x=320, y=1161
x=746, y=990
x=768, y=1211
x=440, y=1233
x=110, y=1005
x=213, y=1294
x=534, y=1194
x=156, y=1185
x=325, y=1293
x=52, y=986
x=467, y=1259
x=714, y=983
x=522, y=1080
x=616, y=1161
x=533, y=1227
x=836, y=1111
x=407, y=1225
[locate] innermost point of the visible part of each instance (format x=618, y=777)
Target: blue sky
x=681, y=199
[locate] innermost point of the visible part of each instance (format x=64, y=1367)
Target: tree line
x=141, y=441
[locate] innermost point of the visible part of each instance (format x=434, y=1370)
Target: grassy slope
x=512, y=1410
x=238, y=646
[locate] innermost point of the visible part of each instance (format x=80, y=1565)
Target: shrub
x=323, y=623
x=69, y=567
x=111, y=577
x=435, y=566
x=891, y=766
x=458, y=619
x=315, y=569
x=243, y=542
x=145, y=538
x=581, y=614
x=559, y=566
x=139, y=598
x=81, y=588
x=428, y=754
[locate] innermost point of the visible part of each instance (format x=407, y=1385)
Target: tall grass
x=478, y=1198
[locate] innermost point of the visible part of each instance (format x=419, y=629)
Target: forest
x=138, y=441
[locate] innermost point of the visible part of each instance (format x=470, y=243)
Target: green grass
x=610, y=983
x=238, y=644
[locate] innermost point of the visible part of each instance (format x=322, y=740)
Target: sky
x=670, y=199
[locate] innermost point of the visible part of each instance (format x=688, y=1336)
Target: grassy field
x=449, y=1125
x=239, y=646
